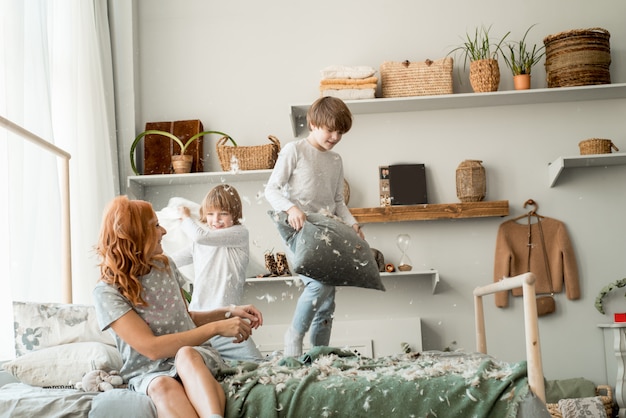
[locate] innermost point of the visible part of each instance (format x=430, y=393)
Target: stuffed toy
x=100, y=381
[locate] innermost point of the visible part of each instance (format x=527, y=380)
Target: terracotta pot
x=521, y=81
x=484, y=75
x=182, y=163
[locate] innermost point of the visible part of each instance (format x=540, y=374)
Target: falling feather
x=366, y=404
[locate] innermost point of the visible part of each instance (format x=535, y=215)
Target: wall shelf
x=431, y=211
x=433, y=275
x=468, y=100
x=136, y=184
x=556, y=167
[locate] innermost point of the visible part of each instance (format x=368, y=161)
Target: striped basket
x=406, y=78
x=578, y=57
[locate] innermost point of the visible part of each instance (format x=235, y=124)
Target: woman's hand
x=236, y=327
x=296, y=218
x=249, y=312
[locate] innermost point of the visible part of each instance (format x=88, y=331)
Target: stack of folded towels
x=349, y=83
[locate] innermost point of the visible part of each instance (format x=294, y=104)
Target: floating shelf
x=468, y=100
x=137, y=184
x=431, y=211
x=556, y=167
x=433, y=275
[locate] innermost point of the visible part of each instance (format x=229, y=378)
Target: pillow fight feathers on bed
x=329, y=251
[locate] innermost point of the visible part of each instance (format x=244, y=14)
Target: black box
x=407, y=184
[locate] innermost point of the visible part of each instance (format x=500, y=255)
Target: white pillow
x=176, y=239
x=65, y=364
x=42, y=325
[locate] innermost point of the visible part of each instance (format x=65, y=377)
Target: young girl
x=220, y=252
x=139, y=298
x=307, y=178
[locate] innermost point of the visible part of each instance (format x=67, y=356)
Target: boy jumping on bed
x=307, y=178
x=220, y=253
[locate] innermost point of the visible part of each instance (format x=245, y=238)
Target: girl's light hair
x=225, y=198
x=128, y=239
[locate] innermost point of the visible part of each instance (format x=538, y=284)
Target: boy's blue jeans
x=314, y=310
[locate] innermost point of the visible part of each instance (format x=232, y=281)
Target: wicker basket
x=484, y=75
x=257, y=157
x=428, y=78
x=596, y=146
x=607, y=401
x=578, y=57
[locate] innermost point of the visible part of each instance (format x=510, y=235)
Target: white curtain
x=56, y=81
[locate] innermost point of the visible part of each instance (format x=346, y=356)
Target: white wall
x=239, y=66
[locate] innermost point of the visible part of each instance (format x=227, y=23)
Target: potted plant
x=520, y=59
x=482, y=53
x=599, y=304
x=181, y=162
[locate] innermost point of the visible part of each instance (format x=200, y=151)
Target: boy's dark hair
x=223, y=197
x=330, y=113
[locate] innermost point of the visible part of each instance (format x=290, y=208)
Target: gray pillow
x=329, y=251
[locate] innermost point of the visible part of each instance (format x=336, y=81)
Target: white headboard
x=66, y=262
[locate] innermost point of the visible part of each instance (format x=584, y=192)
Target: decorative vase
x=484, y=75
x=471, y=185
x=521, y=81
x=182, y=163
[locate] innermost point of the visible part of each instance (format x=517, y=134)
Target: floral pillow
x=329, y=251
x=42, y=325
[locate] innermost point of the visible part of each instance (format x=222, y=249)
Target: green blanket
x=330, y=382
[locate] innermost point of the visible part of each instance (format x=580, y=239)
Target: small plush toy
x=99, y=381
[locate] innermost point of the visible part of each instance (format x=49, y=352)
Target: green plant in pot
x=520, y=59
x=482, y=53
x=181, y=162
x=599, y=304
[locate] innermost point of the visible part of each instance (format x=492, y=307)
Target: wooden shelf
x=468, y=100
x=433, y=275
x=431, y=211
x=556, y=167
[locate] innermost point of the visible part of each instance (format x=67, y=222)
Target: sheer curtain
x=56, y=81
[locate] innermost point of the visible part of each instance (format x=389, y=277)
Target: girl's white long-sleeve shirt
x=308, y=178
x=220, y=259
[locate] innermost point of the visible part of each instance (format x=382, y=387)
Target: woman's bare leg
x=170, y=398
x=204, y=392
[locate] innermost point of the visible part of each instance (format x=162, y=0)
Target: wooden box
x=158, y=149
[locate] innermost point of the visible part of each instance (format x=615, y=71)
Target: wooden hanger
x=532, y=212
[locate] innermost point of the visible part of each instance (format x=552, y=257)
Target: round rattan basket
x=596, y=146
x=578, y=57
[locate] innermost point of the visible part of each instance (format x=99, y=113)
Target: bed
x=58, y=343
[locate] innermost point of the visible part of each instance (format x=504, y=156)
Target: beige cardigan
x=512, y=258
